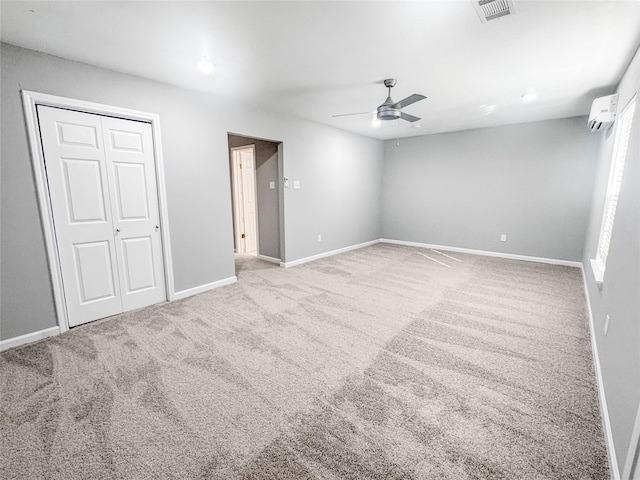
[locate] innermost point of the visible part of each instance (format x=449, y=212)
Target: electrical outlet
x=606, y=324
x=503, y=238
x=319, y=238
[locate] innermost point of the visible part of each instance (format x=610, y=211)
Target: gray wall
x=530, y=181
x=340, y=192
x=343, y=167
x=268, y=208
x=619, y=350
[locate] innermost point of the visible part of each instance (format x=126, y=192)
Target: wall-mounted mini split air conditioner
x=603, y=113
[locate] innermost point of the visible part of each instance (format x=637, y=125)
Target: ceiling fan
x=390, y=110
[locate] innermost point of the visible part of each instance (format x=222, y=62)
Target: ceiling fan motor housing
x=387, y=112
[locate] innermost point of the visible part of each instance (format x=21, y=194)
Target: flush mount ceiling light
x=529, y=96
x=206, y=66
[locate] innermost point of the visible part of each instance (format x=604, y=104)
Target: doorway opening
x=256, y=189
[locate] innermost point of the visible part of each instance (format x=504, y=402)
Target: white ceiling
x=315, y=59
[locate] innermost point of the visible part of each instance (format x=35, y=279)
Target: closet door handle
x=117, y=230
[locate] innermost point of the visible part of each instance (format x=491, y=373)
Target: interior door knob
x=117, y=230
x=157, y=227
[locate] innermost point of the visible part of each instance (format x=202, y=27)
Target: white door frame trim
x=30, y=101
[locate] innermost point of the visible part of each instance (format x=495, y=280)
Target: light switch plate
x=296, y=184
x=272, y=185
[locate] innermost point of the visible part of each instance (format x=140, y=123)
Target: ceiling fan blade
x=348, y=114
x=408, y=118
x=408, y=101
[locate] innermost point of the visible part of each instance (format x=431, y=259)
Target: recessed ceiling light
x=416, y=126
x=529, y=96
x=487, y=109
x=205, y=65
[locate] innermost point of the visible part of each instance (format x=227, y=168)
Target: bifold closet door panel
x=134, y=199
x=77, y=175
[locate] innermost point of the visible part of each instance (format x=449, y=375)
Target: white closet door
x=81, y=204
x=134, y=199
x=102, y=185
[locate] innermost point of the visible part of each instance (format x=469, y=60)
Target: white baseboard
x=327, y=254
x=189, y=292
x=604, y=411
x=633, y=448
x=269, y=259
x=485, y=253
x=50, y=332
x=29, y=338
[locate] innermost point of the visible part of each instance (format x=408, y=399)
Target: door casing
x=30, y=101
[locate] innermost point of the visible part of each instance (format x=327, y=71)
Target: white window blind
x=613, y=189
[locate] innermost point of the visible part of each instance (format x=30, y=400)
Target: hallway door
x=245, y=199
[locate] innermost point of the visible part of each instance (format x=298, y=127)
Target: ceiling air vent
x=492, y=9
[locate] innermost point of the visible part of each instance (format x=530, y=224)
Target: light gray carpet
x=375, y=364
